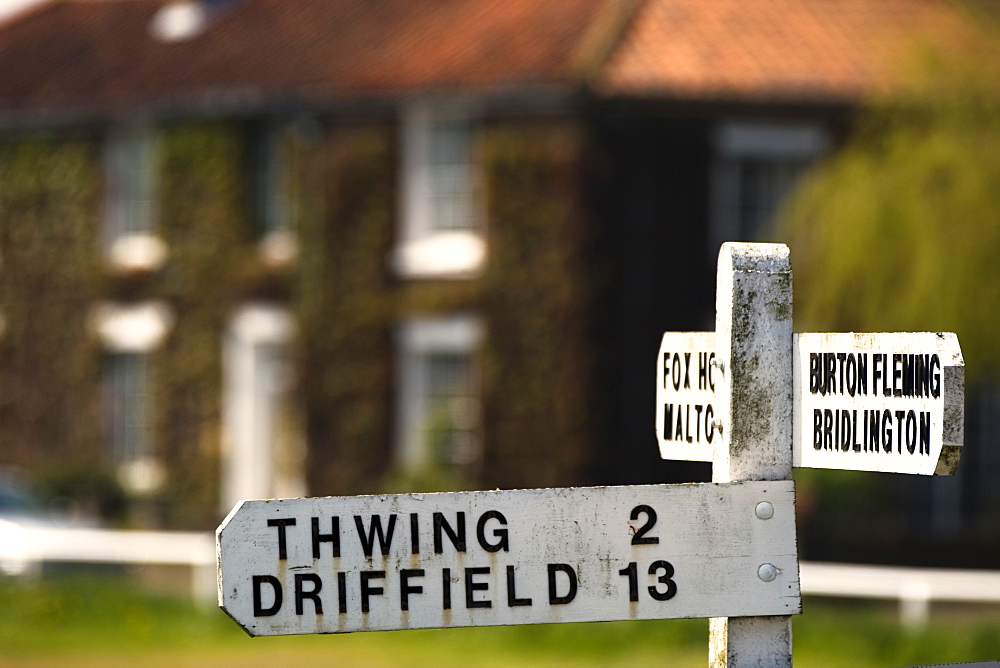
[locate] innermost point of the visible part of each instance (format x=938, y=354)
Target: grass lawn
x=111, y=622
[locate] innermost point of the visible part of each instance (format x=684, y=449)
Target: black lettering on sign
x=282, y=544
x=554, y=597
x=457, y=537
x=911, y=432
x=405, y=588
x=842, y=359
x=631, y=571
x=512, y=600
x=925, y=433
x=500, y=533
x=668, y=422
x=368, y=537
x=877, y=372
x=886, y=386
x=871, y=444
x=640, y=537
x=862, y=373
x=258, y=606
x=333, y=537
x=815, y=373
x=827, y=429
x=709, y=431
x=897, y=375
x=705, y=379
x=687, y=371
x=342, y=593
x=367, y=590
x=414, y=534
x=846, y=434
x=887, y=431
x=471, y=586
x=446, y=589
x=900, y=415
x=935, y=372
x=852, y=374
x=909, y=373
x=664, y=579
x=830, y=373
x=856, y=446
x=312, y=594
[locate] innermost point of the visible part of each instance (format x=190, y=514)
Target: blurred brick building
x=257, y=248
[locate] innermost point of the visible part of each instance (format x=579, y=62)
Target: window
x=263, y=452
x=441, y=226
x=439, y=410
x=129, y=333
x=756, y=168
x=128, y=428
x=130, y=200
x=272, y=193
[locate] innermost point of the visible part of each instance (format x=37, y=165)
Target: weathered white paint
x=841, y=409
x=710, y=535
x=754, y=345
x=686, y=373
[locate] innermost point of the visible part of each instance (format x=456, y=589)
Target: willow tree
x=900, y=230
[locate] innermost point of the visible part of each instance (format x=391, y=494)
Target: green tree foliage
x=900, y=230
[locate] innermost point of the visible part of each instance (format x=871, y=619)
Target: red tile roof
x=101, y=52
x=803, y=50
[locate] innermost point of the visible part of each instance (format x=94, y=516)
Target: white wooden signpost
x=751, y=397
x=879, y=402
x=863, y=402
x=372, y=563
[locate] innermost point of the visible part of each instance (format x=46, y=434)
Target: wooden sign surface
x=367, y=563
x=879, y=402
x=685, y=393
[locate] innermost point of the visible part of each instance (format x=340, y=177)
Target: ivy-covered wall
x=54, y=273
x=50, y=191
x=541, y=287
x=343, y=302
x=204, y=221
x=536, y=297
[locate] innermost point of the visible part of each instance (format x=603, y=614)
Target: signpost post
x=751, y=397
x=753, y=331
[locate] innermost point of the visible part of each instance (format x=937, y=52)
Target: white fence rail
x=914, y=588
x=23, y=548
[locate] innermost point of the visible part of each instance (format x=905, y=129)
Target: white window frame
x=417, y=340
x=274, y=199
x=136, y=329
x=737, y=140
x=259, y=460
x=422, y=250
x=130, y=205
